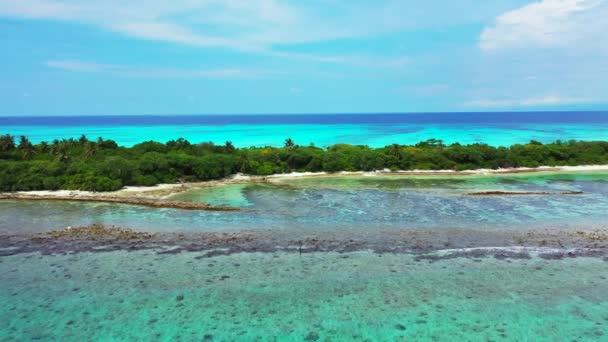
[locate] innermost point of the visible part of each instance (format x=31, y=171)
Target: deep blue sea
x=321, y=129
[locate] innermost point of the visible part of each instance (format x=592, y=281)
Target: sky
x=111, y=57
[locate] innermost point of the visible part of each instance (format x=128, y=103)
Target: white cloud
x=262, y=27
x=547, y=53
x=549, y=24
x=236, y=24
x=81, y=66
x=265, y=27
x=549, y=100
x=168, y=21
x=138, y=72
x=397, y=62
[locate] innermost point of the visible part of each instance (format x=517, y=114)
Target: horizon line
x=313, y=113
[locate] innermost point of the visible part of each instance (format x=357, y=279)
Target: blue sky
x=74, y=57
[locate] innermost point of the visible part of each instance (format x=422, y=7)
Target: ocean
x=376, y=130
x=365, y=274
x=337, y=258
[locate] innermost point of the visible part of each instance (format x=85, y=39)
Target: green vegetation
x=102, y=165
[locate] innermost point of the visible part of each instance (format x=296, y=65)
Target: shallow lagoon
x=313, y=297
x=348, y=203
x=319, y=296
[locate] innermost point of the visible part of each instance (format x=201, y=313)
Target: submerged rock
x=521, y=193
x=140, y=201
x=312, y=336
x=95, y=231
x=425, y=245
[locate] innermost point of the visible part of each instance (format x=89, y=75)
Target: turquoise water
x=318, y=296
x=320, y=135
x=499, y=129
x=348, y=204
x=287, y=297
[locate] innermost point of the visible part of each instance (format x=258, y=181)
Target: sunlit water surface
x=358, y=296
x=347, y=203
x=287, y=297
x=375, y=130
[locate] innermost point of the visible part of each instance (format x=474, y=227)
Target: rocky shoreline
x=523, y=193
x=165, y=191
x=140, y=201
x=426, y=245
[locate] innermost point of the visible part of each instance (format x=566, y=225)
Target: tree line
x=102, y=165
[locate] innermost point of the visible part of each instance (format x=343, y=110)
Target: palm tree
x=90, y=149
x=229, y=147
x=28, y=151
x=7, y=143
x=243, y=164
x=26, y=147
x=289, y=143
x=54, y=146
x=24, y=142
x=44, y=147
x=395, y=150
x=64, y=157
x=62, y=153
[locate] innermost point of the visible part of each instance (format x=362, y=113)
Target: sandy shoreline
x=164, y=191
x=386, y=172
x=139, y=201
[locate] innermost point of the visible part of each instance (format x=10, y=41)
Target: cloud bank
x=546, y=53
